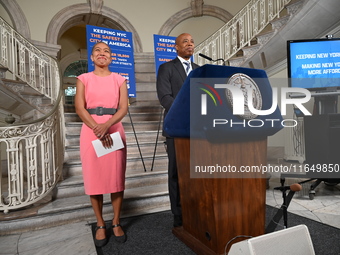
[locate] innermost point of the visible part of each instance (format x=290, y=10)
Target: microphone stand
x=284, y=205
x=220, y=59
x=210, y=59
x=282, y=211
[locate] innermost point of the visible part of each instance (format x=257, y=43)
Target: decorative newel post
x=9, y=119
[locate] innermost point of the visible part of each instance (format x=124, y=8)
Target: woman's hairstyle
x=94, y=46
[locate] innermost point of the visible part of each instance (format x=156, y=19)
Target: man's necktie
x=187, y=63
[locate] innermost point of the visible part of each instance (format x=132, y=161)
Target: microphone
x=204, y=56
x=294, y=187
x=210, y=59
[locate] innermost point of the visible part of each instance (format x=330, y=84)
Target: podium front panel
x=215, y=210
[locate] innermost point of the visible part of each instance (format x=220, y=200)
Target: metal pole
x=159, y=125
x=134, y=132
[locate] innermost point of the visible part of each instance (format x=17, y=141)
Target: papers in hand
x=101, y=150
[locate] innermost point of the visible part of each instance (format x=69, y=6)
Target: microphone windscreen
x=295, y=187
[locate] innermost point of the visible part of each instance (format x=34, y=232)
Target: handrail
x=27, y=63
x=32, y=154
x=240, y=30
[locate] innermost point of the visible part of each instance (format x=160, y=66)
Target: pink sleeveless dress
x=105, y=174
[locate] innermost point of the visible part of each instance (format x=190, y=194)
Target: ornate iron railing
x=27, y=63
x=34, y=160
x=240, y=30
x=31, y=154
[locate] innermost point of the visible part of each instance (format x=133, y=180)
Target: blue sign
x=164, y=48
x=121, y=45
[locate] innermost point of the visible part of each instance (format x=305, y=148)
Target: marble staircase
x=146, y=177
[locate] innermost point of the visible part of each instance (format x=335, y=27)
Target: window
x=73, y=70
x=76, y=68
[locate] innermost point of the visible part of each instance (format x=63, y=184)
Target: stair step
x=135, y=106
x=133, y=165
x=73, y=185
x=154, y=116
x=74, y=127
x=148, y=106
x=142, y=137
x=133, y=151
x=137, y=201
x=135, y=115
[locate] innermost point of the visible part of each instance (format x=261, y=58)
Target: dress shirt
x=185, y=65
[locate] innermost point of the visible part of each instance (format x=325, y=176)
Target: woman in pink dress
x=101, y=102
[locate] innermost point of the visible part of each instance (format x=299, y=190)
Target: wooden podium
x=215, y=210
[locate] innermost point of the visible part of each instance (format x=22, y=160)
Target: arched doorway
x=68, y=29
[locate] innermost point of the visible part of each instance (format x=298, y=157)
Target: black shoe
x=101, y=242
x=177, y=220
x=118, y=239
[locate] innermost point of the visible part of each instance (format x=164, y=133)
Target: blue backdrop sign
x=121, y=45
x=164, y=48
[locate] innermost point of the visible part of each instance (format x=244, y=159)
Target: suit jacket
x=170, y=78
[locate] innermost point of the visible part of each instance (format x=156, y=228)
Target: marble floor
x=324, y=207
x=77, y=239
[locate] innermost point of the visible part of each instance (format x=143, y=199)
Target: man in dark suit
x=170, y=78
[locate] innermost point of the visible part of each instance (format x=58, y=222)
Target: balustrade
x=31, y=154
x=240, y=30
